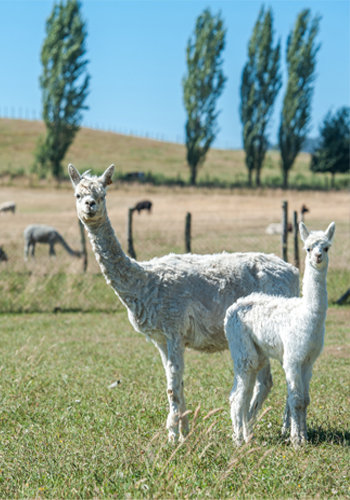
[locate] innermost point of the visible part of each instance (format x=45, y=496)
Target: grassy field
x=163, y=162
x=83, y=396
x=66, y=433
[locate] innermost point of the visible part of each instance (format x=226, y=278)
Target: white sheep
x=8, y=206
x=177, y=301
x=291, y=330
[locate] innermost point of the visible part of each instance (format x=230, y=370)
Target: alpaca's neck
x=315, y=289
x=123, y=274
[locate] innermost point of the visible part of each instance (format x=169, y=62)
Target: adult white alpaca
x=177, y=301
x=259, y=327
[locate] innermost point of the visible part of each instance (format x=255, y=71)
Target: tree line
x=65, y=86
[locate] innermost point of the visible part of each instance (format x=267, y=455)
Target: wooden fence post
x=131, y=250
x=188, y=232
x=296, y=239
x=83, y=246
x=285, y=231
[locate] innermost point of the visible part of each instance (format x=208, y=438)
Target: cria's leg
x=172, y=354
x=246, y=365
x=286, y=419
x=296, y=403
x=239, y=400
x=306, y=376
x=261, y=390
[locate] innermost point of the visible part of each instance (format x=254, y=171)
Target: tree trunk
x=193, y=176
x=250, y=177
x=257, y=177
x=285, y=179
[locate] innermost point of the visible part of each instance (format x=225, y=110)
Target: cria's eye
x=326, y=249
x=78, y=196
x=308, y=249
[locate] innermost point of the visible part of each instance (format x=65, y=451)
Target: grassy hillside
x=163, y=162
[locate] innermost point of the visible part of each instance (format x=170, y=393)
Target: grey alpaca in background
x=39, y=233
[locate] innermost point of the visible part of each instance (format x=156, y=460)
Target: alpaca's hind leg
x=240, y=396
x=262, y=388
x=246, y=364
x=172, y=354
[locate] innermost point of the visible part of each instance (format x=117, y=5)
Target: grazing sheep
x=291, y=330
x=39, y=233
x=8, y=206
x=176, y=301
x=143, y=205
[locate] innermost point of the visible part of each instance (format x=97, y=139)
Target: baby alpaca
x=291, y=330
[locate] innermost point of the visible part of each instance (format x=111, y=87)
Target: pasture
x=84, y=396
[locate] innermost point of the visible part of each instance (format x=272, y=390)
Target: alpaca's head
x=317, y=244
x=90, y=193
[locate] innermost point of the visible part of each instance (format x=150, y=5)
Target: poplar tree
x=64, y=82
x=202, y=85
x=260, y=84
x=333, y=153
x=301, y=62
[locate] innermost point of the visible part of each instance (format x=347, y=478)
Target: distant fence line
x=31, y=114
x=25, y=113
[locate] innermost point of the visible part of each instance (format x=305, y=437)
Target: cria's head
x=90, y=193
x=317, y=244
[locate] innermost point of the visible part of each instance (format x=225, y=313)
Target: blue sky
x=137, y=60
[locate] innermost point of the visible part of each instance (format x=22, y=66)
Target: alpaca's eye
x=78, y=196
x=308, y=249
x=326, y=249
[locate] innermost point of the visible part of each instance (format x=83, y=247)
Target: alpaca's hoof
x=173, y=437
x=285, y=430
x=298, y=441
x=237, y=441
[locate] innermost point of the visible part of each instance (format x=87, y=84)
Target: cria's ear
x=74, y=175
x=330, y=231
x=304, y=233
x=106, y=177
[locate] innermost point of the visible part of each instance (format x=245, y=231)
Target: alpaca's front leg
x=306, y=377
x=286, y=419
x=172, y=354
x=297, y=406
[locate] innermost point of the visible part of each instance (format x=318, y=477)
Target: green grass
x=65, y=433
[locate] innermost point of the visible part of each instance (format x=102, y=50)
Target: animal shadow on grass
x=319, y=435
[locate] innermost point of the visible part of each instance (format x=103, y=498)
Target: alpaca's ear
x=330, y=231
x=304, y=233
x=74, y=175
x=106, y=177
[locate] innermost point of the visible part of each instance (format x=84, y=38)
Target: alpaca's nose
x=318, y=257
x=90, y=202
